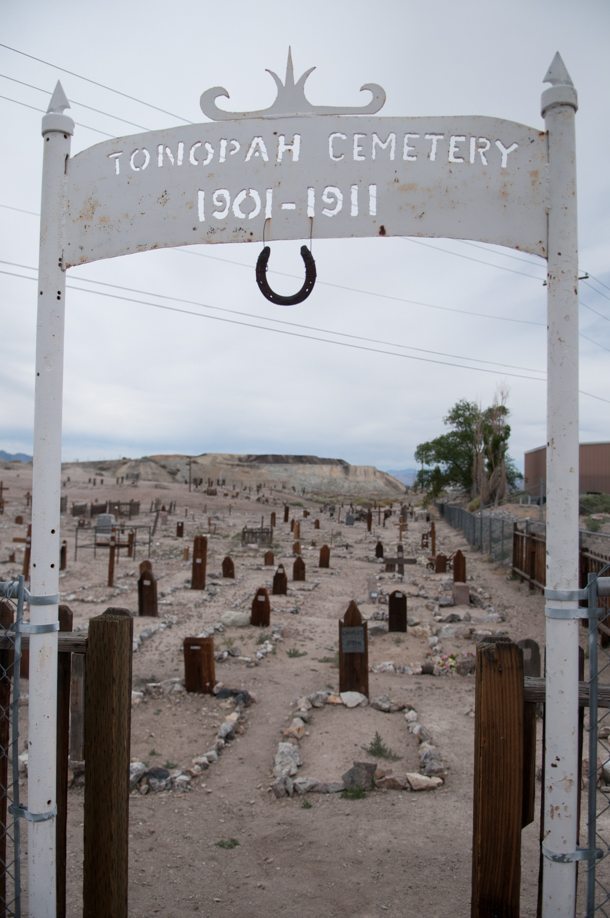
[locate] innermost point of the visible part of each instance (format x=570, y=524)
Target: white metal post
x=57, y=129
x=559, y=104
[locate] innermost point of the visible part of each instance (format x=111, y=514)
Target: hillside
x=300, y=474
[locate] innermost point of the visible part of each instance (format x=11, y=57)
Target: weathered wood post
x=298, y=569
x=440, y=564
x=353, y=652
x=286, y=512
x=200, y=557
x=397, y=611
x=459, y=567
x=27, y=554
x=280, y=582
x=199, y=665
x=260, y=614
x=272, y=519
x=369, y=520
x=6, y=674
x=107, y=741
x=316, y=524
x=77, y=708
x=432, y=539
x=296, y=548
x=64, y=675
x=324, y=556
x=498, y=780
x=147, y=591
x=111, y=555
x=296, y=532
x=180, y=529
x=63, y=555
x=268, y=559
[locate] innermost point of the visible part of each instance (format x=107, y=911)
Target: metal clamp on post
x=563, y=614
x=28, y=628
x=581, y=854
x=566, y=595
x=18, y=809
x=49, y=600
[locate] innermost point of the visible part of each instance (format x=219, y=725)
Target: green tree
x=472, y=455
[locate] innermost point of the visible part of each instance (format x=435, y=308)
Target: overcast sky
x=145, y=377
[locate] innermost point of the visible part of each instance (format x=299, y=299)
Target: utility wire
x=79, y=76
x=280, y=331
x=490, y=264
x=90, y=108
x=326, y=331
x=35, y=109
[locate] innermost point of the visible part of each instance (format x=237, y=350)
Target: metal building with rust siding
x=594, y=469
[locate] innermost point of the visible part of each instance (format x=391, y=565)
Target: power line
x=42, y=111
x=79, y=76
x=278, y=331
x=90, y=108
x=429, y=245
x=326, y=331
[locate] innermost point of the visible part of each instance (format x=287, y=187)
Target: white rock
x=353, y=699
x=419, y=782
x=234, y=619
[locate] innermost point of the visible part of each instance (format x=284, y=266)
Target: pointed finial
x=59, y=101
x=557, y=73
x=55, y=120
x=561, y=91
x=289, y=69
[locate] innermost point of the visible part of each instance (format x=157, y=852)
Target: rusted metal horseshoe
x=300, y=295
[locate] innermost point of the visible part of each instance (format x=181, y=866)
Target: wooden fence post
x=64, y=670
x=107, y=741
x=498, y=780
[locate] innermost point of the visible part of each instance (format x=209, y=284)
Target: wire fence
x=487, y=531
x=12, y=597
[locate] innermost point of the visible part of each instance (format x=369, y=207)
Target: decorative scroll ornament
x=290, y=101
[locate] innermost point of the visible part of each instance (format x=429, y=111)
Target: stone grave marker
x=459, y=567
x=199, y=667
x=280, y=582
x=147, y=591
x=324, y=556
x=260, y=614
x=353, y=652
x=268, y=559
x=228, y=568
x=200, y=559
x=298, y=569
x=397, y=611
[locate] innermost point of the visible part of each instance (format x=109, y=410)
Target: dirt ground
x=393, y=853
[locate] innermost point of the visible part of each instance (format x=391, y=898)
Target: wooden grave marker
x=228, y=568
x=440, y=564
x=324, y=556
x=296, y=548
x=272, y=521
x=316, y=524
x=353, y=652
x=298, y=569
x=280, y=582
x=433, y=539
x=286, y=512
x=369, y=520
x=459, y=567
x=379, y=549
x=296, y=532
x=268, y=559
x=147, y=591
x=180, y=529
x=260, y=614
x=199, y=666
x=200, y=558
x=397, y=611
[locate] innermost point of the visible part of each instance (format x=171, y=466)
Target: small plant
x=169, y=765
x=229, y=643
x=295, y=652
x=227, y=843
x=592, y=524
x=263, y=637
x=153, y=752
x=397, y=640
x=306, y=804
x=157, y=711
x=353, y=793
x=379, y=749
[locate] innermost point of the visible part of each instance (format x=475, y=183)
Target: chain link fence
x=487, y=531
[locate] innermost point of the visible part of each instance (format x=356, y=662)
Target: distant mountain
x=407, y=476
x=14, y=457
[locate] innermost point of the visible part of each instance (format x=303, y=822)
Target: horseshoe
x=300, y=295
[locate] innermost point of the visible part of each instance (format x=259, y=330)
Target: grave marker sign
x=353, y=652
x=397, y=611
x=296, y=171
